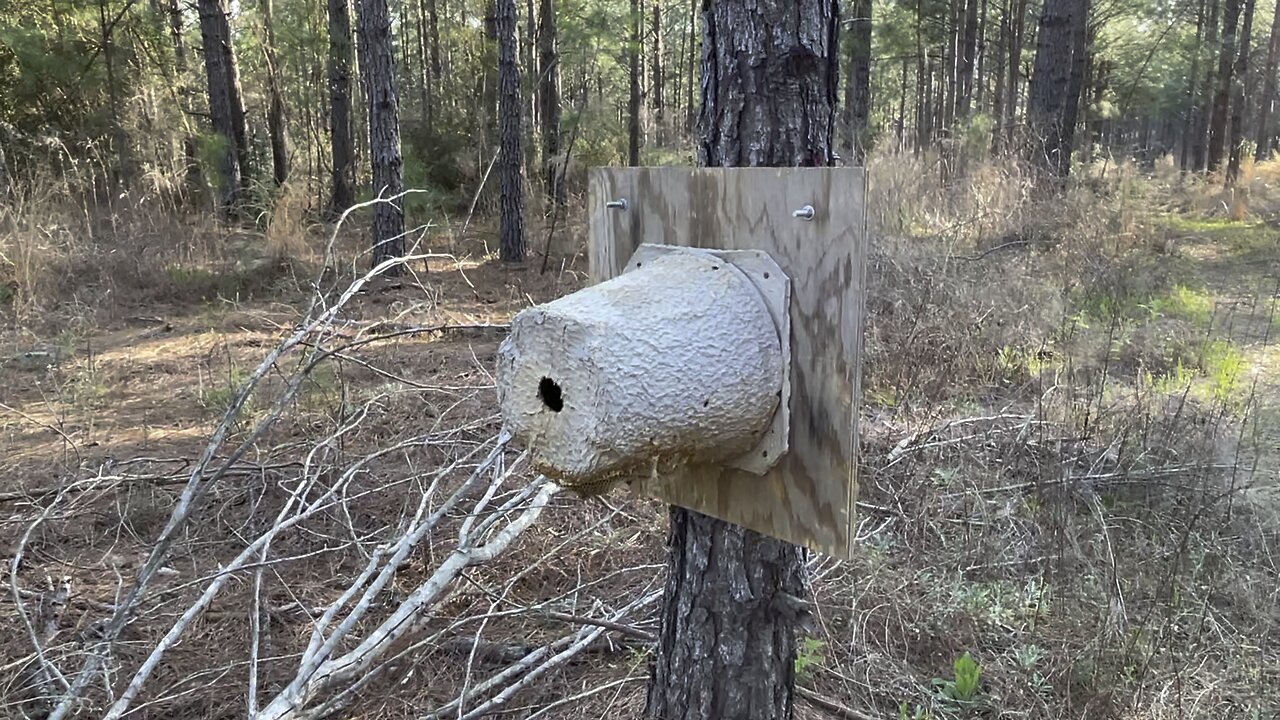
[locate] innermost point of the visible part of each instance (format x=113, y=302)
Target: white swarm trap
x=684, y=358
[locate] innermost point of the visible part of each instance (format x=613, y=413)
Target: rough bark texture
x=1050, y=86
x=1017, y=34
x=998, y=100
x=511, y=223
x=276, y=125
x=1222, y=91
x=1265, y=137
x=377, y=69
x=858, y=85
x=424, y=70
x=1075, y=84
x=727, y=646
x=1238, y=95
x=215, y=37
x=633, y=94
x=340, y=131
x=549, y=100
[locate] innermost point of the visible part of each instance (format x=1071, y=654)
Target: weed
x=808, y=655
x=963, y=687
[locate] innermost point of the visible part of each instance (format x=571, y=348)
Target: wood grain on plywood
x=808, y=498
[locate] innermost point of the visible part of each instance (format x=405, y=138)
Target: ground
x=1072, y=475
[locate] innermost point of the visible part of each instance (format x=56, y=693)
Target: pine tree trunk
x=239, y=121
x=690, y=107
x=922, y=82
x=549, y=101
x=377, y=71
x=1239, y=73
x=511, y=221
x=276, y=125
x=1191, y=122
x=1050, y=86
x=727, y=644
x=1199, y=144
x=1222, y=92
x=858, y=85
x=1017, y=37
x=424, y=70
x=1076, y=83
x=1265, y=137
x=636, y=21
x=215, y=37
x=340, y=124
x=657, y=81
x=998, y=107
x=967, y=60
x=193, y=180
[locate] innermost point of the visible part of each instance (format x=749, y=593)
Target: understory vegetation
x=1068, y=503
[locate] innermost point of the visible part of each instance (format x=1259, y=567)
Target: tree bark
x=967, y=60
x=733, y=597
x=341, y=138
x=1222, y=93
x=511, y=221
x=1017, y=37
x=1265, y=137
x=998, y=99
x=276, y=125
x=190, y=156
x=1239, y=73
x=424, y=67
x=1051, y=80
x=1199, y=143
x=549, y=101
x=215, y=36
x=636, y=21
x=1191, y=122
x=1075, y=85
x=377, y=71
x=858, y=85
x=658, y=79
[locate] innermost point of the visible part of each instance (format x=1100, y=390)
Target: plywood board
x=808, y=497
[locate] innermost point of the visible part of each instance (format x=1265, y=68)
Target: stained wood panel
x=808, y=497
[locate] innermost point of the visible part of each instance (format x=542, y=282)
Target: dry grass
x=1061, y=450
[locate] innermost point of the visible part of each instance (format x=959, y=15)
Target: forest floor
x=1079, y=487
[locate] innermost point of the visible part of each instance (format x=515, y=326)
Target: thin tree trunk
x=433, y=18
x=190, y=157
x=424, y=69
x=341, y=140
x=967, y=61
x=215, y=37
x=1191, y=122
x=998, y=99
x=1222, y=94
x=377, y=71
x=1200, y=145
x=123, y=170
x=858, y=85
x=549, y=101
x=1239, y=75
x=922, y=82
x=636, y=21
x=658, y=80
x=1265, y=137
x=276, y=125
x=727, y=644
x=980, y=92
x=902, y=106
x=1017, y=37
x=690, y=108
x=511, y=220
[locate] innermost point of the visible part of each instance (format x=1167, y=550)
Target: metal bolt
x=804, y=213
x=619, y=204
